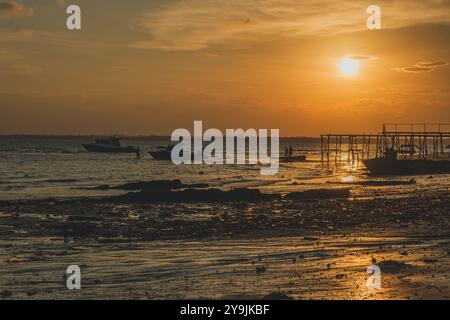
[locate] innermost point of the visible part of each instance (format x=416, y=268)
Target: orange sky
x=149, y=67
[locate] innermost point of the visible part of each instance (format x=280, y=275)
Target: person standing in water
x=291, y=151
x=138, y=153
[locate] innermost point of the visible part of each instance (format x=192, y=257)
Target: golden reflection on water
x=347, y=178
x=249, y=215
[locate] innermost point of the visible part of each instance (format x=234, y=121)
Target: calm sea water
x=33, y=167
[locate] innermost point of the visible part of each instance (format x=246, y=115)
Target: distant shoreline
x=153, y=137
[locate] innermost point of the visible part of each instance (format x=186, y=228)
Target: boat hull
x=161, y=155
x=301, y=158
x=382, y=166
x=164, y=155
x=108, y=149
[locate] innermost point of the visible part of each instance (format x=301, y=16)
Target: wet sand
x=304, y=249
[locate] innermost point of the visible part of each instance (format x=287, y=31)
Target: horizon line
x=114, y=135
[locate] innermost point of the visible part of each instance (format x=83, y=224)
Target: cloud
x=11, y=62
x=422, y=66
x=361, y=57
x=413, y=69
x=199, y=24
x=14, y=8
x=428, y=64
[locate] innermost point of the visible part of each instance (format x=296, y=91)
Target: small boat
x=408, y=149
x=109, y=145
x=165, y=153
x=162, y=153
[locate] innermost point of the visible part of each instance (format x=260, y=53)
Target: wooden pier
x=418, y=140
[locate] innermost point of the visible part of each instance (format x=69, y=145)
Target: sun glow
x=348, y=66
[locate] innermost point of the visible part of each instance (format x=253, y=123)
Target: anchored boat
x=384, y=166
x=162, y=153
x=109, y=145
x=165, y=153
x=390, y=165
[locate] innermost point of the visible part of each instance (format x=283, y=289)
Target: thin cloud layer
x=198, y=24
x=431, y=64
x=361, y=57
x=14, y=8
x=422, y=66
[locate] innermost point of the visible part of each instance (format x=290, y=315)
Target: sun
x=348, y=66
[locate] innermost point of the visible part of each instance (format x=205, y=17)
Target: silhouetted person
x=138, y=153
x=291, y=151
x=286, y=151
x=390, y=153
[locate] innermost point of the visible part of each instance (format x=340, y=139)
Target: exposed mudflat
x=305, y=249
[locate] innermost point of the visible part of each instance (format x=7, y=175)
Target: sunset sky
x=151, y=66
